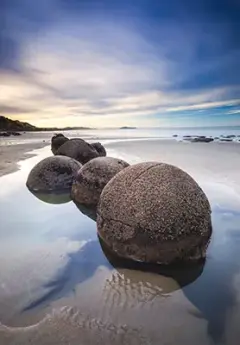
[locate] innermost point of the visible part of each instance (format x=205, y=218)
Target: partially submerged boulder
x=154, y=212
x=53, y=174
x=93, y=177
x=100, y=149
x=57, y=141
x=78, y=149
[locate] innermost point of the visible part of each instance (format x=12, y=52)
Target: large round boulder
x=93, y=177
x=154, y=212
x=57, y=141
x=100, y=149
x=78, y=149
x=53, y=174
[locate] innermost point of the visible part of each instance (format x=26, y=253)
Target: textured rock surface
x=100, y=149
x=154, y=212
x=78, y=149
x=57, y=141
x=53, y=173
x=93, y=177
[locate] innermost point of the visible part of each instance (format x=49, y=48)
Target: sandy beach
x=58, y=286
x=10, y=155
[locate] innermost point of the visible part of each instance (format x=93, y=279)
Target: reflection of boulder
x=154, y=212
x=57, y=141
x=93, y=177
x=53, y=174
x=89, y=211
x=144, y=282
x=78, y=149
x=53, y=198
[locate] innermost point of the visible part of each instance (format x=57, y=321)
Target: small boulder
x=93, y=177
x=154, y=212
x=53, y=174
x=78, y=149
x=57, y=141
x=100, y=149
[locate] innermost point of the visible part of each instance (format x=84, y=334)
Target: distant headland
x=9, y=125
x=126, y=127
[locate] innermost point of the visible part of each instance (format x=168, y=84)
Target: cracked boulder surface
x=93, y=177
x=53, y=174
x=155, y=212
x=78, y=149
x=100, y=149
x=57, y=141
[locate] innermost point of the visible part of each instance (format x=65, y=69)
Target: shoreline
x=11, y=155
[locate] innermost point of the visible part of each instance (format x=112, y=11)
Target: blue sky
x=112, y=63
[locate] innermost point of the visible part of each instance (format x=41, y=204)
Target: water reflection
x=207, y=285
x=140, y=283
x=81, y=265
x=60, y=197
x=145, y=282
x=90, y=212
x=214, y=294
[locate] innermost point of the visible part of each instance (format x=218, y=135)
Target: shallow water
x=50, y=257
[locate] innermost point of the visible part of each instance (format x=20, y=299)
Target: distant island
x=9, y=125
x=126, y=127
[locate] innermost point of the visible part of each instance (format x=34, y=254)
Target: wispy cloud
x=207, y=105
x=236, y=111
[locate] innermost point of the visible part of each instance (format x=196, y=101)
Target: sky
x=110, y=63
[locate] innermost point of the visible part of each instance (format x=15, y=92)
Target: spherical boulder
x=57, y=141
x=155, y=212
x=100, y=149
x=53, y=174
x=78, y=149
x=93, y=177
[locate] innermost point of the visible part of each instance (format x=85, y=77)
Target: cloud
x=5, y=109
x=237, y=111
x=207, y=105
x=72, y=64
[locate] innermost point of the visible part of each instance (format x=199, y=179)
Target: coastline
x=11, y=155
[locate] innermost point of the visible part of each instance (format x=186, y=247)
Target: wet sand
x=57, y=286
x=10, y=155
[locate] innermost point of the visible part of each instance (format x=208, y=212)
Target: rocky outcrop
x=53, y=174
x=100, y=149
x=78, y=149
x=202, y=140
x=93, y=177
x=154, y=212
x=57, y=141
x=226, y=139
x=15, y=125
